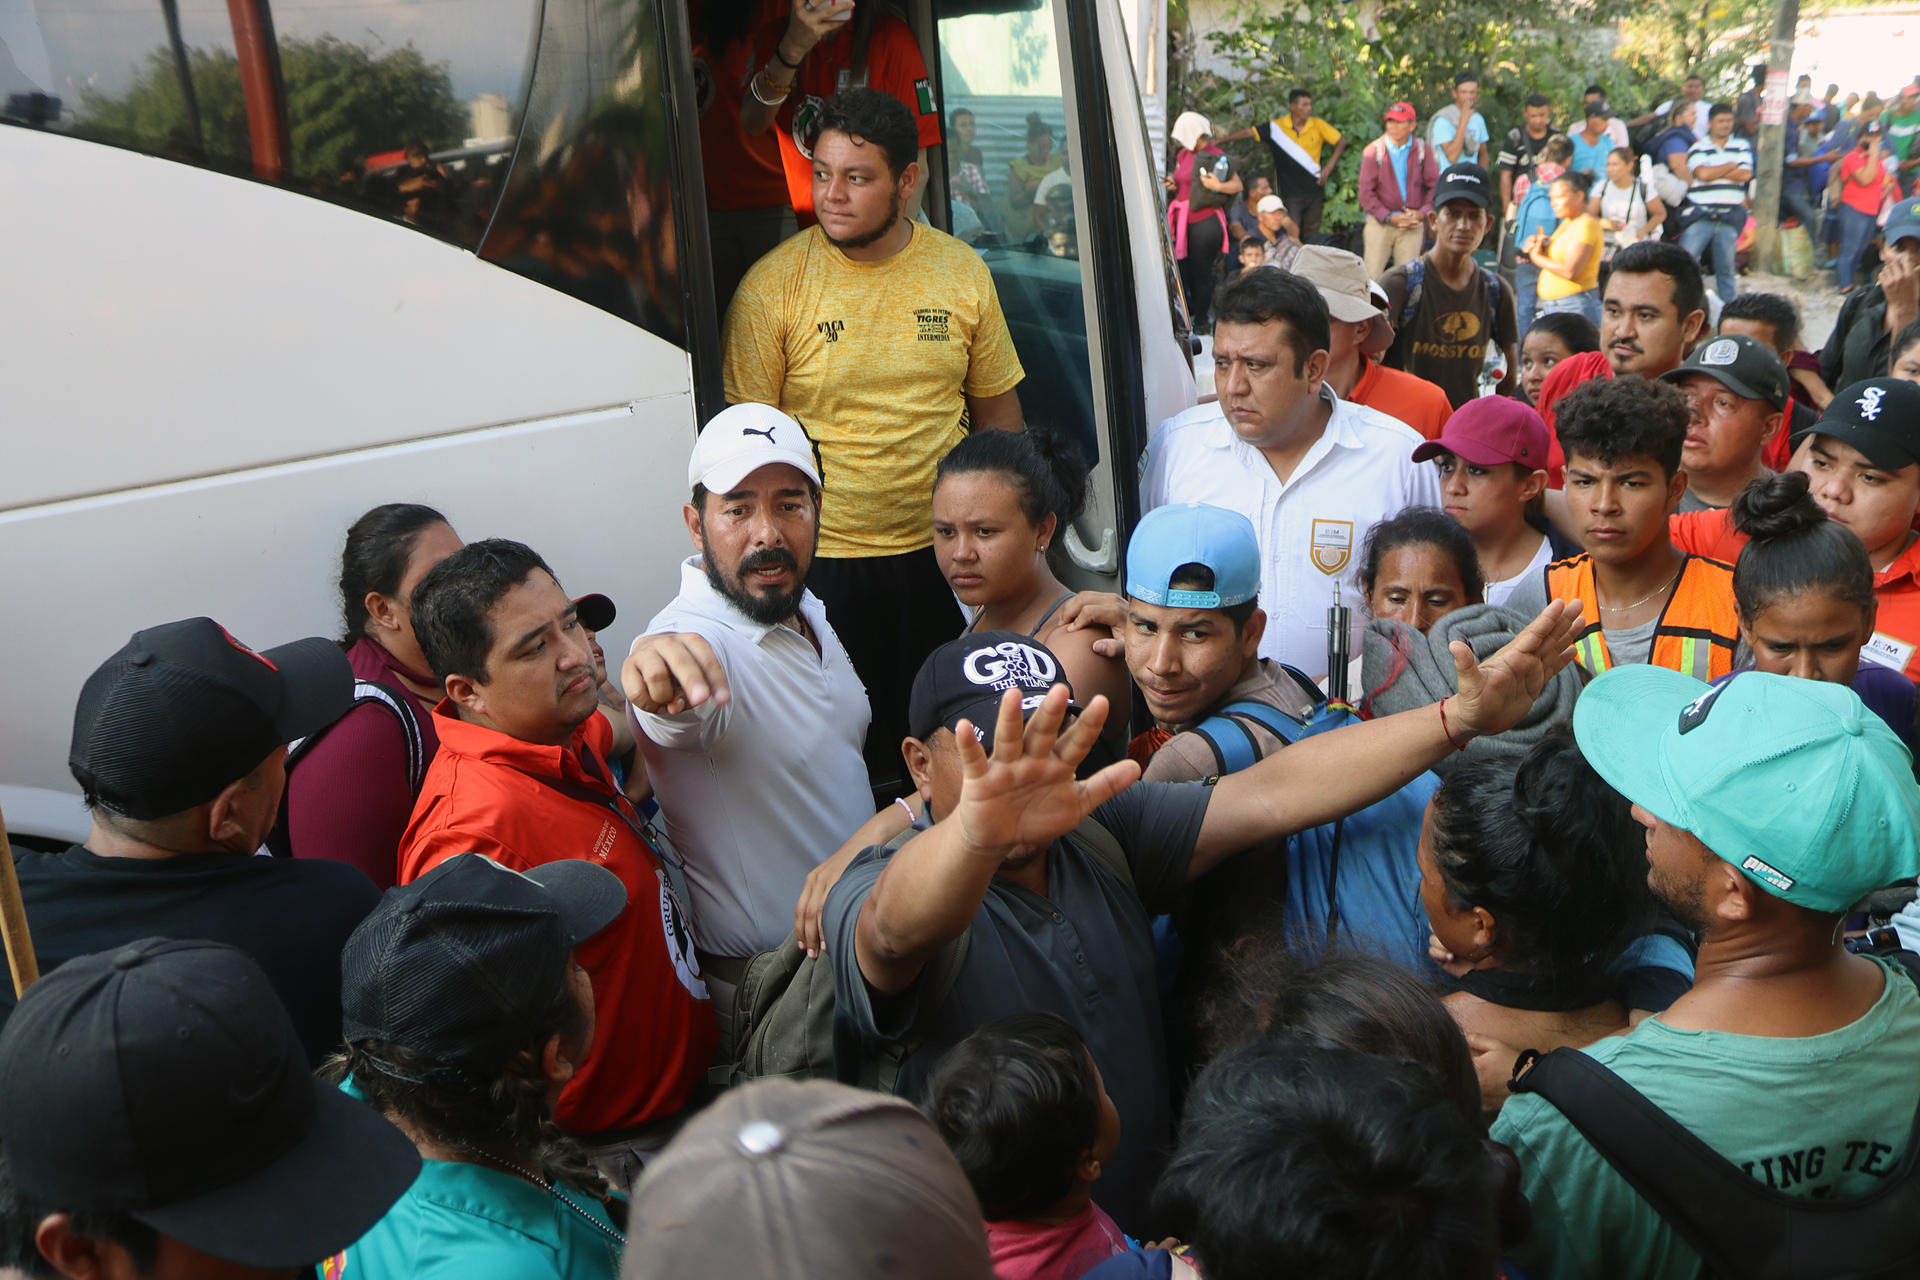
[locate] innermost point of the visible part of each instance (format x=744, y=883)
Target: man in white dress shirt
x=743, y=701
x=1311, y=471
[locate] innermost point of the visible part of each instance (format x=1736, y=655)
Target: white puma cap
x=741, y=439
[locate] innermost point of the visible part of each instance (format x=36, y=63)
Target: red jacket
x=524, y=805
x=1380, y=193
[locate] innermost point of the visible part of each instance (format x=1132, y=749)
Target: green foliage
x=1668, y=40
x=344, y=102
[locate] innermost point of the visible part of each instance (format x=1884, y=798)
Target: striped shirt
x=1709, y=153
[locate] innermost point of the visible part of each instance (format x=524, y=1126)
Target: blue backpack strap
x=1231, y=740
x=1416, y=283
x=1493, y=295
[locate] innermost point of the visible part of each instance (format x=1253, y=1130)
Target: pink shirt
x=1028, y=1251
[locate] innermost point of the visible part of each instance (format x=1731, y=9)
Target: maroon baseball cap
x=1489, y=431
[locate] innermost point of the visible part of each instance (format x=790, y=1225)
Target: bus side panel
x=165, y=322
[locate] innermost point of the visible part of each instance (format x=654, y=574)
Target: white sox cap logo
x=1869, y=402
x=1010, y=665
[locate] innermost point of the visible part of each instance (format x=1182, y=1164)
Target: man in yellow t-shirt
x=884, y=339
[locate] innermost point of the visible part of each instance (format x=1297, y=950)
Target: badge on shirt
x=1887, y=651
x=1332, y=545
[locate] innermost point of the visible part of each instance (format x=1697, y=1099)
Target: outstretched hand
x=1024, y=795
x=668, y=673
x=1496, y=694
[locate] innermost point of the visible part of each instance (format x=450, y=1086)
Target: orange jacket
x=1698, y=630
x=1415, y=401
x=1896, y=628
x=524, y=805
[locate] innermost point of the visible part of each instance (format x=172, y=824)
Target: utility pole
x=1773, y=138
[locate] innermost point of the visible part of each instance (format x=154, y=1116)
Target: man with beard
x=885, y=339
x=743, y=701
x=521, y=777
x=1771, y=805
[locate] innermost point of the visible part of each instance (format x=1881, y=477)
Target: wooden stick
x=13, y=921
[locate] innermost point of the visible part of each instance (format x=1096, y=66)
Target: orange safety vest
x=1696, y=634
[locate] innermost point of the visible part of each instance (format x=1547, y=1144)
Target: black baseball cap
x=963, y=680
x=1463, y=181
x=1745, y=366
x=1903, y=221
x=471, y=954
x=1880, y=417
x=595, y=611
x=184, y=709
x=164, y=1080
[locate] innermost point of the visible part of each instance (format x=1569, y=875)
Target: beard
x=866, y=238
x=767, y=609
x=1684, y=901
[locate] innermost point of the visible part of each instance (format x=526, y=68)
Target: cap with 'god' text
x=1794, y=782
x=964, y=679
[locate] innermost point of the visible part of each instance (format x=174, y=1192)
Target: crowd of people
x=1517, y=771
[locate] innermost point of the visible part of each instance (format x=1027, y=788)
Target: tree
x=344, y=102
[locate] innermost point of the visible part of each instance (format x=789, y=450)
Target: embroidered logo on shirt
x=832, y=329
x=933, y=323
x=923, y=95
x=1869, y=402
x=1331, y=545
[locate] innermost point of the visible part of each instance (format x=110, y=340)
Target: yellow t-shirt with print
x=875, y=360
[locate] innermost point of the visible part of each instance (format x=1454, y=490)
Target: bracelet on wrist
x=780, y=52
x=762, y=95
x=1456, y=745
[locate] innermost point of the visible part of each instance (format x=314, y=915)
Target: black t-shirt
x=1084, y=951
x=1446, y=341
x=291, y=915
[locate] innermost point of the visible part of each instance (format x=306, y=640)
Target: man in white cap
x=743, y=701
x=1358, y=327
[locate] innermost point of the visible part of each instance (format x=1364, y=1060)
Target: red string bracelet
x=1457, y=746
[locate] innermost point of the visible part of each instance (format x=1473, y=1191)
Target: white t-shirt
x=1497, y=592
x=761, y=790
x=1358, y=473
x=1702, y=110
x=1628, y=204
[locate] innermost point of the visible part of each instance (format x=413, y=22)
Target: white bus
x=228, y=328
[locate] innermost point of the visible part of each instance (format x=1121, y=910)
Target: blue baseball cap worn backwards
x=1170, y=537
x=1794, y=782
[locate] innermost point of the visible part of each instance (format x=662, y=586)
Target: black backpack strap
x=396, y=703
x=1699, y=1193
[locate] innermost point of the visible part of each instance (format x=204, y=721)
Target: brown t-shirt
x=1446, y=341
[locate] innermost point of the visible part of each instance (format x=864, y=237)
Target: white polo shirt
x=761, y=790
x=1359, y=472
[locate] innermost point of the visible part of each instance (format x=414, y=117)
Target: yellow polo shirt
x=1316, y=134
x=875, y=360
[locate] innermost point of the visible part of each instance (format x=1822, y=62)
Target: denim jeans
x=1585, y=303
x=1723, y=238
x=1856, y=233
x=1526, y=295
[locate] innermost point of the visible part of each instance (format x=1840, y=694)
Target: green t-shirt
x=1901, y=131
x=1814, y=1116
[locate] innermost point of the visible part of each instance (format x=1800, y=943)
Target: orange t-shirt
x=894, y=66
x=1706, y=533
x=1415, y=401
x=741, y=172
x=525, y=805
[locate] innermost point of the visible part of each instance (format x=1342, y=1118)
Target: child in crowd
x=1549, y=340
x=1492, y=457
x=1804, y=587
x=1642, y=599
x=1022, y=1105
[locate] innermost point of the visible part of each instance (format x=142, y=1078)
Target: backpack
x=1737, y=1225
x=783, y=1006
x=279, y=840
x=1416, y=285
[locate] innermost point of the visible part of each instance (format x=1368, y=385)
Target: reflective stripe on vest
x=1698, y=630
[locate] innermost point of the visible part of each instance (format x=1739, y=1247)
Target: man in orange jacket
x=521, y=776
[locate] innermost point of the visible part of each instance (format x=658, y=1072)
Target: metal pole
x=1773, y=139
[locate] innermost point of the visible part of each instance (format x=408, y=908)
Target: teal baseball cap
x=1795, y=782
x=1193, y=533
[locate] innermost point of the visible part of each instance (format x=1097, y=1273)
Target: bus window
x=589, y=203
x=404, y=111
x=1010, y=194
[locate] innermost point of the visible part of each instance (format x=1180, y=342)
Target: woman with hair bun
x=351, y=787
x=1000, y=500
x=1534, y=878
x=1804, y=590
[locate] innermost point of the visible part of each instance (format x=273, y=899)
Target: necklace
x=618, y=1237
x=1622, y=608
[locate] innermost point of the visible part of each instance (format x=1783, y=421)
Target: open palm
x=1024, y=795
